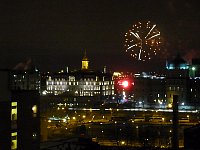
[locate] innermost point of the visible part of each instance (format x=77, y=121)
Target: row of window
x=63, y=88
x=78, y=83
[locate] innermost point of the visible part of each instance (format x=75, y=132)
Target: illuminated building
x=19, y=117
x=80, y=83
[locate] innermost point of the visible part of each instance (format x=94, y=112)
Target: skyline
x=55, y=34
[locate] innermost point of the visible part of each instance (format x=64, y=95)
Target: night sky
x=55, y=33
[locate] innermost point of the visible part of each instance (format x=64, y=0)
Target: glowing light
x=125, y=84
x=193, y=68
x=143, y=41
x=169, y=105
x=122, y=142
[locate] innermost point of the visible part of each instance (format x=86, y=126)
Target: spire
x=85, y=56
x=85, y=62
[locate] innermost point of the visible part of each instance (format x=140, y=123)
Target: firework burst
x=143, y=41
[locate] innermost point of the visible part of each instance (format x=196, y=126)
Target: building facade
x=19, y=117
x=80, y=83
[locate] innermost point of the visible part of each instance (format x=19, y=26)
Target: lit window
x=178, y=88
x=14, y=111
x=34, y=109
x=34, y=135
x=14, y=140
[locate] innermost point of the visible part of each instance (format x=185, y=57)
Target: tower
x=85, y=62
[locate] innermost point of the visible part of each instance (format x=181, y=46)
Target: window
x=34, y=135
x=14, y=111
x=14, y=140
x=34, y=109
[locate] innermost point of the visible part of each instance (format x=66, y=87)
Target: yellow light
x=122, y=142
x=14, y=103
x=34, y=109
x=170, y=105
x=14, y=140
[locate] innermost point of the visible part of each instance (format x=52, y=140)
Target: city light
x=193, y=68
x=122, y=142
x=125, y=83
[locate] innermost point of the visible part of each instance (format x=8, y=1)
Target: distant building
x=19, y=117
x=150, y=90
x=180, y=78
x=25, y=79
x=80, y=83
x=177, y=80
x=183, y=79
x=147, y=89
x=195, y=68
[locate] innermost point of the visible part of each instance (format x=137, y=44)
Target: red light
x=125, y=84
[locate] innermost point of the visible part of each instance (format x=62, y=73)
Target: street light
x=193, y=68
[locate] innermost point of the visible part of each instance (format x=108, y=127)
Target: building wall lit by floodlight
x=80, y=83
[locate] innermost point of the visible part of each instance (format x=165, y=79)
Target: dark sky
x=55, y=33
